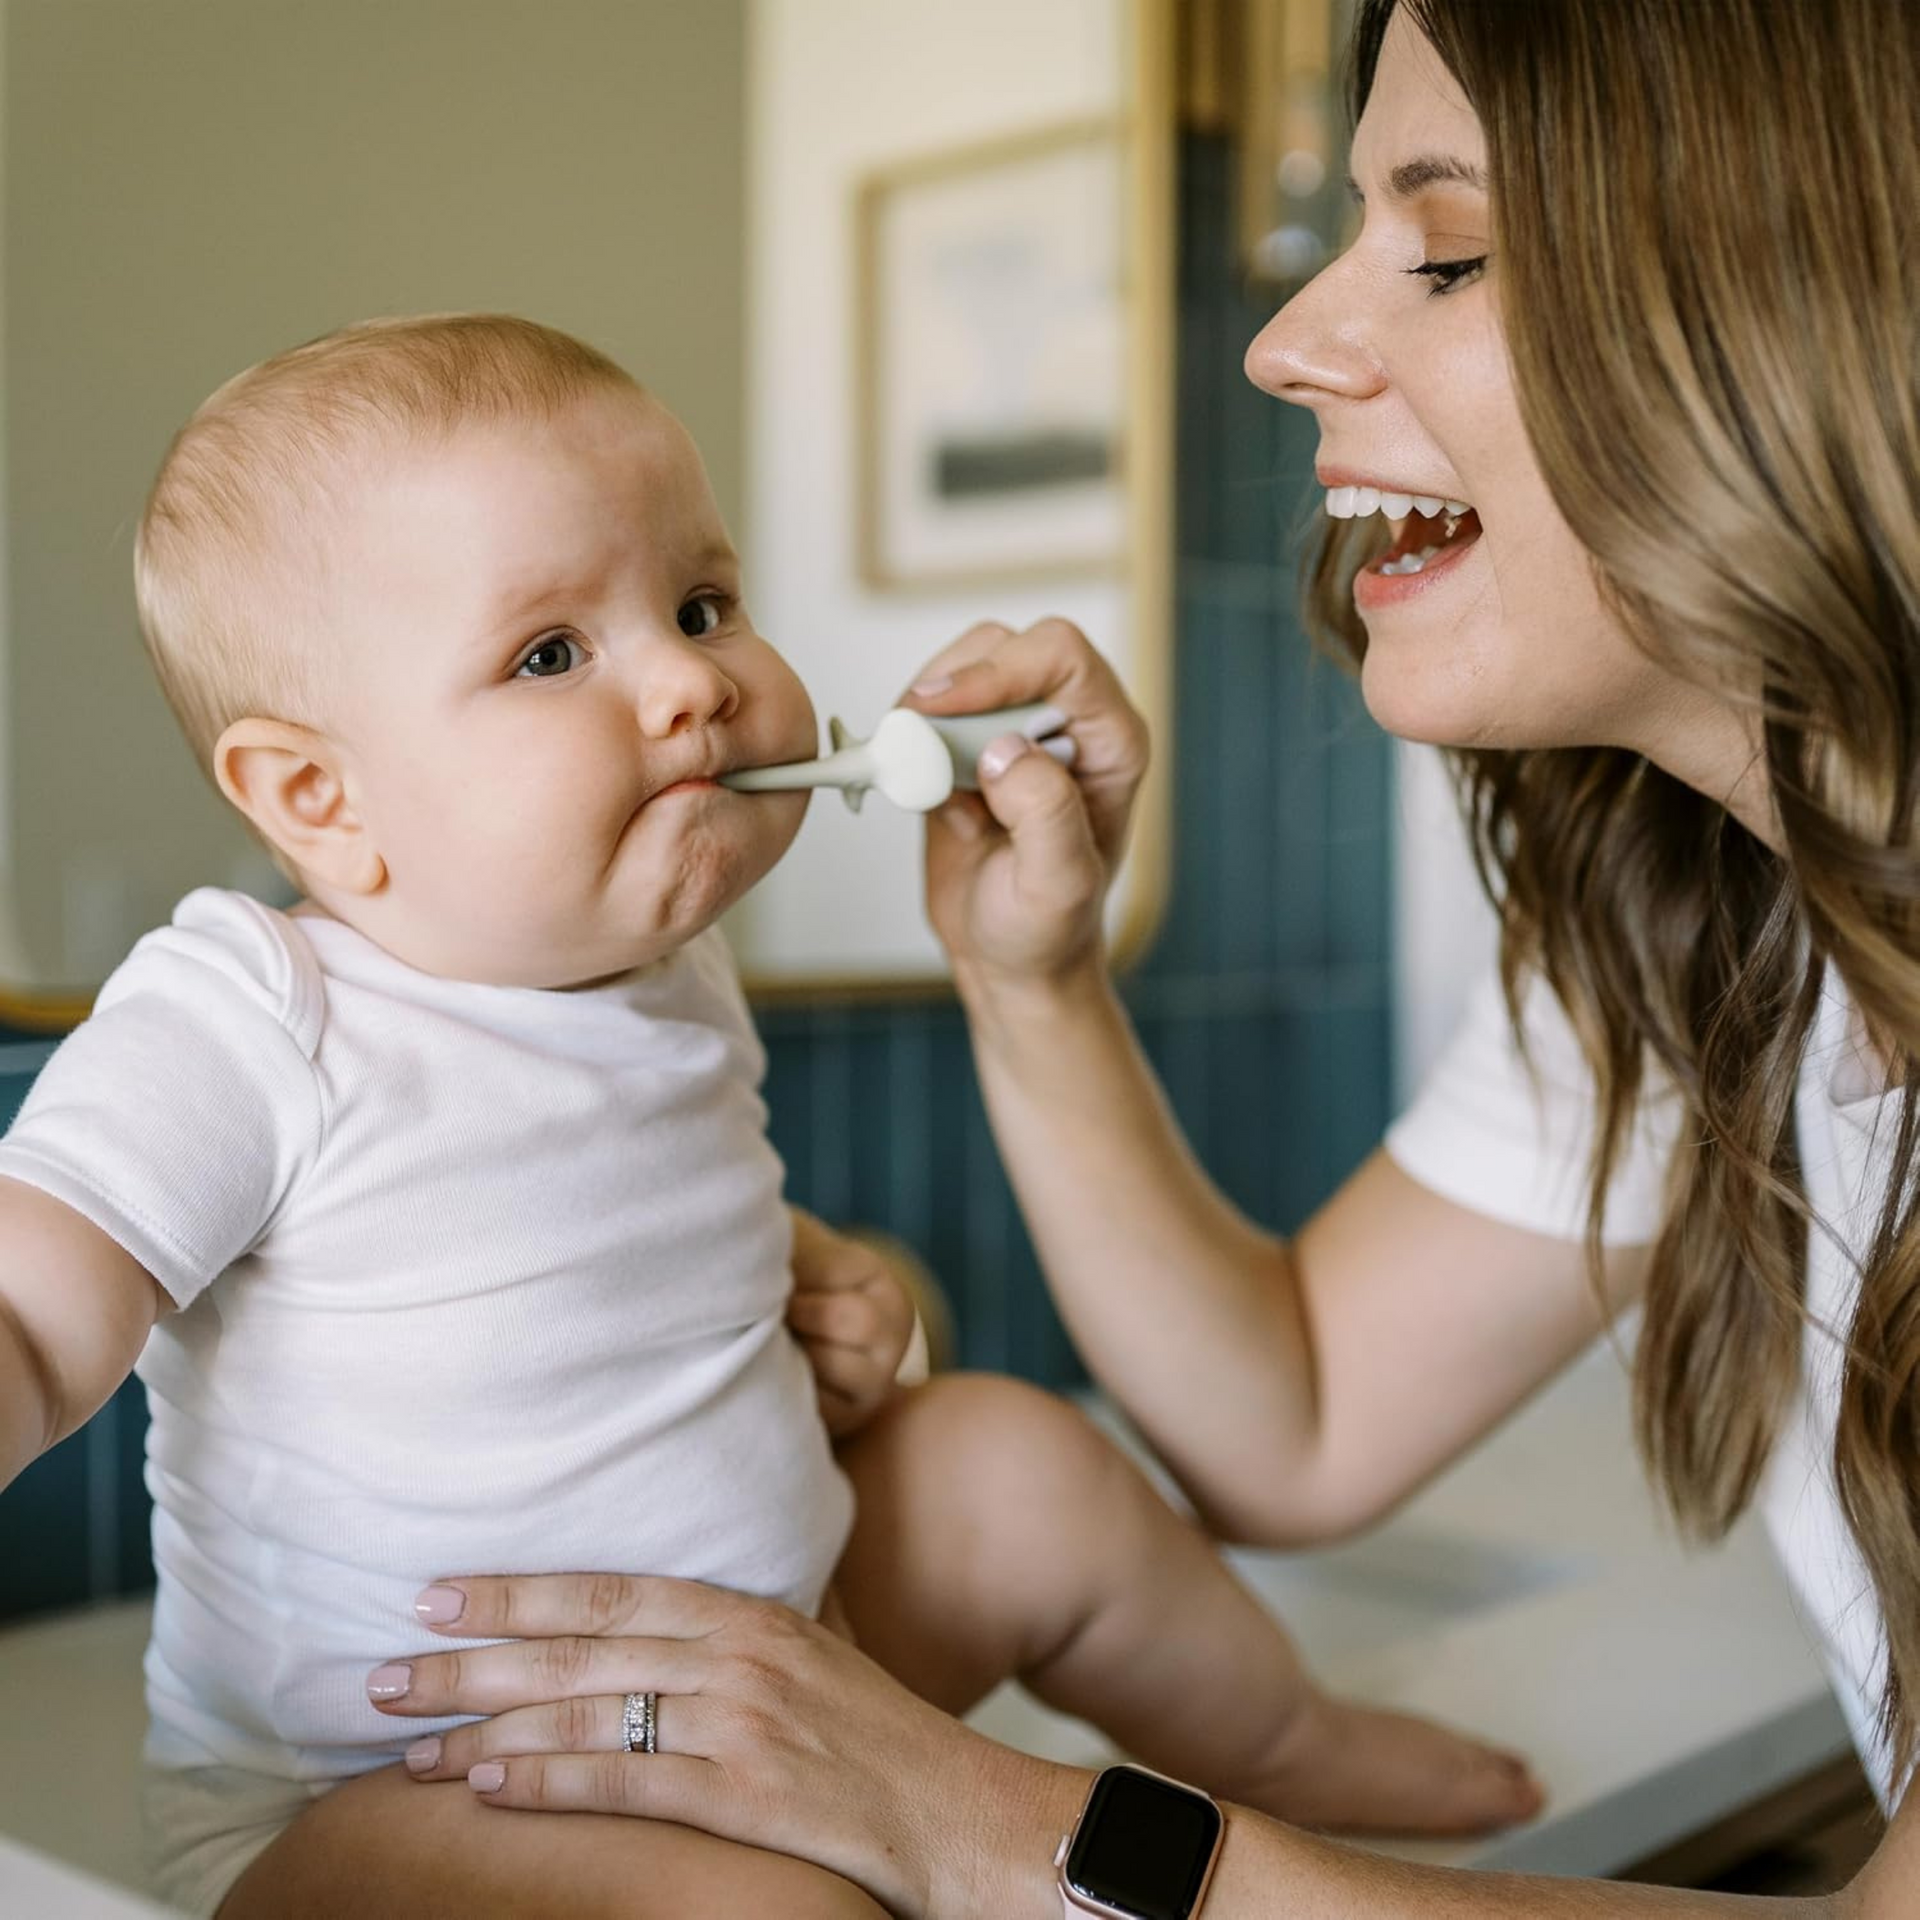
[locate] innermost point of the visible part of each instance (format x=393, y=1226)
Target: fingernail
x=960, y=821
x=423, y=1755
x=998, y=755
x=488, y=1777
x=440, y=1606
x=389, y=1682
x=933, y=683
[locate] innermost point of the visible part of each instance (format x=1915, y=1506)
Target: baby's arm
x=75, y=1310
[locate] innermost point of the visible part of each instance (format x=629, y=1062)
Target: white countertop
x=34, y=1884
x=1530, y=1595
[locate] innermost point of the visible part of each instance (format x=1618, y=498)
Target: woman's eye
x=1448, y=274
x=549, y=658
x=702, y=614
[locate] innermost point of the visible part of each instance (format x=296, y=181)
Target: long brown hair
x=1706, y=224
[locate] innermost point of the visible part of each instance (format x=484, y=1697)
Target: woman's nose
x=1316, y=348
x=682, y=687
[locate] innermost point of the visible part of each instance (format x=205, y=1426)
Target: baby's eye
x=702, y=614
x=549, y=658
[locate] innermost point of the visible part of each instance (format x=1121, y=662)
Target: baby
x=438, y=1210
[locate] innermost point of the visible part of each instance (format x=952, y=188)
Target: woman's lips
x=1372, y=589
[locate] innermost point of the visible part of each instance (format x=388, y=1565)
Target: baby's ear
x=289, y=781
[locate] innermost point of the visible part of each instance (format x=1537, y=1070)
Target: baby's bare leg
x=386, y=1845
x=1000, y=1534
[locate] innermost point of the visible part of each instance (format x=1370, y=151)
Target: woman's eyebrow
x=1430, y=169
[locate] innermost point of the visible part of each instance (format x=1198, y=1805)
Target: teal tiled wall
x=1264, y=1003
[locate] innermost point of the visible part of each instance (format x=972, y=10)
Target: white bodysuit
x=470, y=1279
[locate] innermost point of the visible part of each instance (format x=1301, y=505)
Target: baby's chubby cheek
x=724, y=846
x=779, y=720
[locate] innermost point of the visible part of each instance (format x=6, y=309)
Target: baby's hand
x=853, y=1320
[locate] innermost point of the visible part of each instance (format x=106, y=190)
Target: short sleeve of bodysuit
x=179, y=1113
x=1510, y=1138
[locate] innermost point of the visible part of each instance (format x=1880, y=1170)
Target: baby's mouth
x=1422, y=538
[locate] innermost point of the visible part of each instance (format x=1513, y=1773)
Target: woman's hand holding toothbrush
x=1017, y=873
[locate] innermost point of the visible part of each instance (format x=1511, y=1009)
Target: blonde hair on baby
x=234, y=536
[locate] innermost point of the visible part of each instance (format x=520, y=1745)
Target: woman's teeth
x=1443, y=517
x=1355, y=503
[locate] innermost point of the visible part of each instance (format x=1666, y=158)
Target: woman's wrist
x=1005, y=1009
x=997, y=1851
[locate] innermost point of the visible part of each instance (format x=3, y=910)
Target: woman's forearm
x=1160, y=1280
x=1271, y=1872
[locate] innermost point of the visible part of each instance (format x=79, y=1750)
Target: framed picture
x=993, y=361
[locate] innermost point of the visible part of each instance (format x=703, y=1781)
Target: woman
x=1672, y=361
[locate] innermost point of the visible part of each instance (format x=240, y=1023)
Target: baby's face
x=546, y=660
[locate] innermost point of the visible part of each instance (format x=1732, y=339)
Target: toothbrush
x=916, y=760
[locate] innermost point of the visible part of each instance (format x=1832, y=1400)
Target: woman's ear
x=290, y=782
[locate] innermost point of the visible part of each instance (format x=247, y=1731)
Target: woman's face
x=1505, y=643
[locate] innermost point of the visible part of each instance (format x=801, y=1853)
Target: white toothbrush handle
x=969, y=734
x=895, y=759
x=850, y=767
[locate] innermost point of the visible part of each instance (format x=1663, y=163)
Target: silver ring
x=639, y=1715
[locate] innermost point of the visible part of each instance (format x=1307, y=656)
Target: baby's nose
x=684, y=690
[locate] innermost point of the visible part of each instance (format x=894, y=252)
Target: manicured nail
x=488, y=1777
x=389, y=1682
x=932, y=684
x=440, y=1606
x=424, y=1755
x=998, y=755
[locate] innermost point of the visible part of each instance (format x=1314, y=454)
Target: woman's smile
x=1422, y=559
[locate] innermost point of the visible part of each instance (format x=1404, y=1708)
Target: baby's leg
x=386, y=1845
x=1000, y=1534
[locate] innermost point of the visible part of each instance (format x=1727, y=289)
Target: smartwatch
x=1143, y=1848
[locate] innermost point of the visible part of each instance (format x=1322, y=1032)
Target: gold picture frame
x=991, y=339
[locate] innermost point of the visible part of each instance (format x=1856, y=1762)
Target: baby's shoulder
x=223, y=950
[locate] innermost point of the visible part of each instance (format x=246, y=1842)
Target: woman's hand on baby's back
x=853, y=1320
x=1017, y=873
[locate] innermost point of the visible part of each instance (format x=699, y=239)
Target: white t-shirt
x=470, y=1279
x=1485, y=1135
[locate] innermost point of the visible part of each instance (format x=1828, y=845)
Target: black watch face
x=1143, y=1845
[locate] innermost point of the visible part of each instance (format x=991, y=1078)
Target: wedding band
x=638, y=1722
